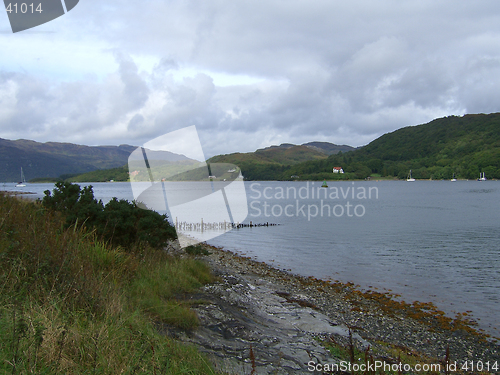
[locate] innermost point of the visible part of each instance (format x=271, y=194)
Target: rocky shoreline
x=261, y=320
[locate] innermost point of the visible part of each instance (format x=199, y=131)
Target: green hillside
x=464, y=146
x=272, y=155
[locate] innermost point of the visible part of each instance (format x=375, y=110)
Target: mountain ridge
x=462, y=145
x=52, y=159
x=285, y=153
x=324, y=147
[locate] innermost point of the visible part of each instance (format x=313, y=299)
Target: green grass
x=73, y=305
x=197, y=250
x=156, y=285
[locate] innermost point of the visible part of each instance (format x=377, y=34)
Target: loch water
x=435, y=241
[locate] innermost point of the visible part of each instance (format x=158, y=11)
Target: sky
x=247, y=74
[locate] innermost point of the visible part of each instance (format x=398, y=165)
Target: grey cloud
x=135, y=90
x=479, y=90
x=61, y=109
x=135, y=122
x=165, y=65
x=343, y=72
x=189, y=103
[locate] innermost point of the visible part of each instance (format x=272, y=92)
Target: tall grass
x=70, y=304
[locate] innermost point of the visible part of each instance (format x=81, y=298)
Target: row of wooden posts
x=201, y=226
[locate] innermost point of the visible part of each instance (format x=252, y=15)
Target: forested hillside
x=464, y=146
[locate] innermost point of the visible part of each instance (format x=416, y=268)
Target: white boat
x=410, y=178
x=482, y=177
x=22, y=183
x=453, y=179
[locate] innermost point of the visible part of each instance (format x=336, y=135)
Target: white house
x=338, y=170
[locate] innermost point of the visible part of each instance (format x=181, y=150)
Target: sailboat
x=409, y=178
x=482, y=177
x=453, y=178
x=325, y=185
x=22, y=183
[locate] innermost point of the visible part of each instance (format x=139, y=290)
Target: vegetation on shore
x=102, y=175
x=119, y=222
x=99, y=175
x=74, y=302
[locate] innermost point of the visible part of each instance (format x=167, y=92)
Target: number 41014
x=24, y=8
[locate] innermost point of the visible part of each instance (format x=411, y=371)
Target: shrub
x=120, y=222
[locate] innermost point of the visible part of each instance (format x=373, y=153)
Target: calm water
x=426, y=240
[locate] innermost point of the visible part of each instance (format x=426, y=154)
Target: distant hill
x=52, y=159
x=323, y=147
x=283, y=145
x=286, y=153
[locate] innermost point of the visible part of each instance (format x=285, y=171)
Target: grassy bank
x=71, y=304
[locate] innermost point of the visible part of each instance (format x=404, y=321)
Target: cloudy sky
x=248, y=73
